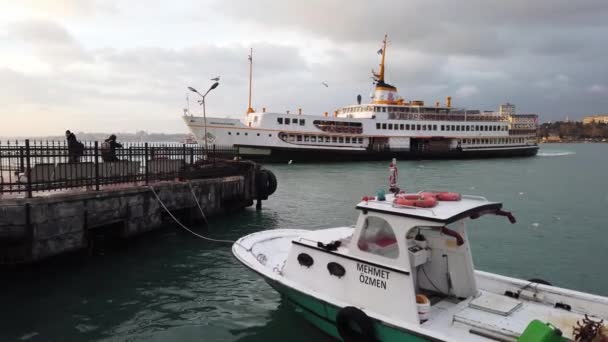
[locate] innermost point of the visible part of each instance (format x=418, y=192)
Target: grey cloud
x=50, y=41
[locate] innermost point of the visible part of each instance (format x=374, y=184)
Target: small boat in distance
x=189, y=139
x=405, y=272
x=387, y=127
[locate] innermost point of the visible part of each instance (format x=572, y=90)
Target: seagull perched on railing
x=216, y=79
x=325, y=84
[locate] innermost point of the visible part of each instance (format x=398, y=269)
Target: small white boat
x=405, y=273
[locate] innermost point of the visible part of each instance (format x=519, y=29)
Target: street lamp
x=202, y=102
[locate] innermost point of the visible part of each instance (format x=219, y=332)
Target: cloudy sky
x=121, y=66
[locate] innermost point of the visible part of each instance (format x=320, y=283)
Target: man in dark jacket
x=108, y=149
x=75, y=147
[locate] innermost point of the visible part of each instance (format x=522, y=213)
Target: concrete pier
x=32, y=229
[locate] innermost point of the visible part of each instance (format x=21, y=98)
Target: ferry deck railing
x=28, y=167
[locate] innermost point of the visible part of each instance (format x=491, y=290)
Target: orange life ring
x=448, y=196
x=426, y=194
x=403, y=201
x=426, y=202
x=409, y=196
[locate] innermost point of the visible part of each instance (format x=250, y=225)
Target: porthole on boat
x=354, y=325
x=305, y=259
x=336, y=269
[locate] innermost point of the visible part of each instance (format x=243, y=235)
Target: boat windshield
x=377, y=237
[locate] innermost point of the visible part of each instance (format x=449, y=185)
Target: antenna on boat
x=249, y=109
x=379, y=77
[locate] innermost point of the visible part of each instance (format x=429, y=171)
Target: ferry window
x=396, y=127
x=407, y=127
x=299, y=137
x=378, y=237
x=390, y=126
x=237, y=133
x=326, y=139
x=434, y=127
x=229, y=133
x=383, y=126
x=246, y=133
x=334, y=139
x=270, y=135
x=280, y=120
x=467, y=127
x=417, y=127
x=383, y=109
x=347, y=140
x=294, y=121
x=443, y=127
x=377, y=125
x=302, y=122
x=287, y=121
x=424, y=127
x=313, y=139
x=341, y=140
x=306, y=138
x=453, y=128
x=477, y=127
x=291, y=137
x=402, y=127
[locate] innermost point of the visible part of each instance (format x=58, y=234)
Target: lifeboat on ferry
x=448, y=196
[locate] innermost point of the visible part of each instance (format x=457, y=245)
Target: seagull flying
x=216, y=79
x=325, y=84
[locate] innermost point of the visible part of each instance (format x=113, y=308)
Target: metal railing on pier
x=31, y=166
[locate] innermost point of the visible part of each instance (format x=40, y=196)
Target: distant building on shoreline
x=602, y=118
x=507, y=109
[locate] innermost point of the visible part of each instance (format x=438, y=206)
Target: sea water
x=171, y=286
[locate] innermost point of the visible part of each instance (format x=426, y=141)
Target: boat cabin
x=395, y=256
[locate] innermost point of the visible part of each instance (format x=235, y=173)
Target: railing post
x=21, y=159
x=96, y=166
x=214, y=154
x=184, y=155
x=28, y=171
x=191, y=156
x=146, y=160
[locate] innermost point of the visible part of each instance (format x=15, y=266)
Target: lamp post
x=202, y=102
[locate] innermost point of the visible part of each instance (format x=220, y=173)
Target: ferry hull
x=279, y=155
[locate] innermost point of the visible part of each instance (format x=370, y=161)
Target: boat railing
x=340, y=129
x=447, y=117
x=481, y=198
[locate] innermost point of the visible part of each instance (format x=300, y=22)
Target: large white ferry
x=387, y=127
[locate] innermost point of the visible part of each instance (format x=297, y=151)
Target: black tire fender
x=350, y=316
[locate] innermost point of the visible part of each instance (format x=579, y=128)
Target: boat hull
x=323, y=315
x=279, y=155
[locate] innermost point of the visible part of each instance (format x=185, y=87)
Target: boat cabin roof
x=445, y=212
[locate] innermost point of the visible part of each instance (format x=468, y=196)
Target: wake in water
x=555, y=153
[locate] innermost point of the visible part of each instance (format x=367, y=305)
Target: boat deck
x=501, y=316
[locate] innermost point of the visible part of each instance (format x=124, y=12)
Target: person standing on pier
x=75, y=147
x=108, y=149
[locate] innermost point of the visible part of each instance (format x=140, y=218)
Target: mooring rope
x=197, y=203
x=186, y=228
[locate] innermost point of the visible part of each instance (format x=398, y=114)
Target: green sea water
x=171, y=286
